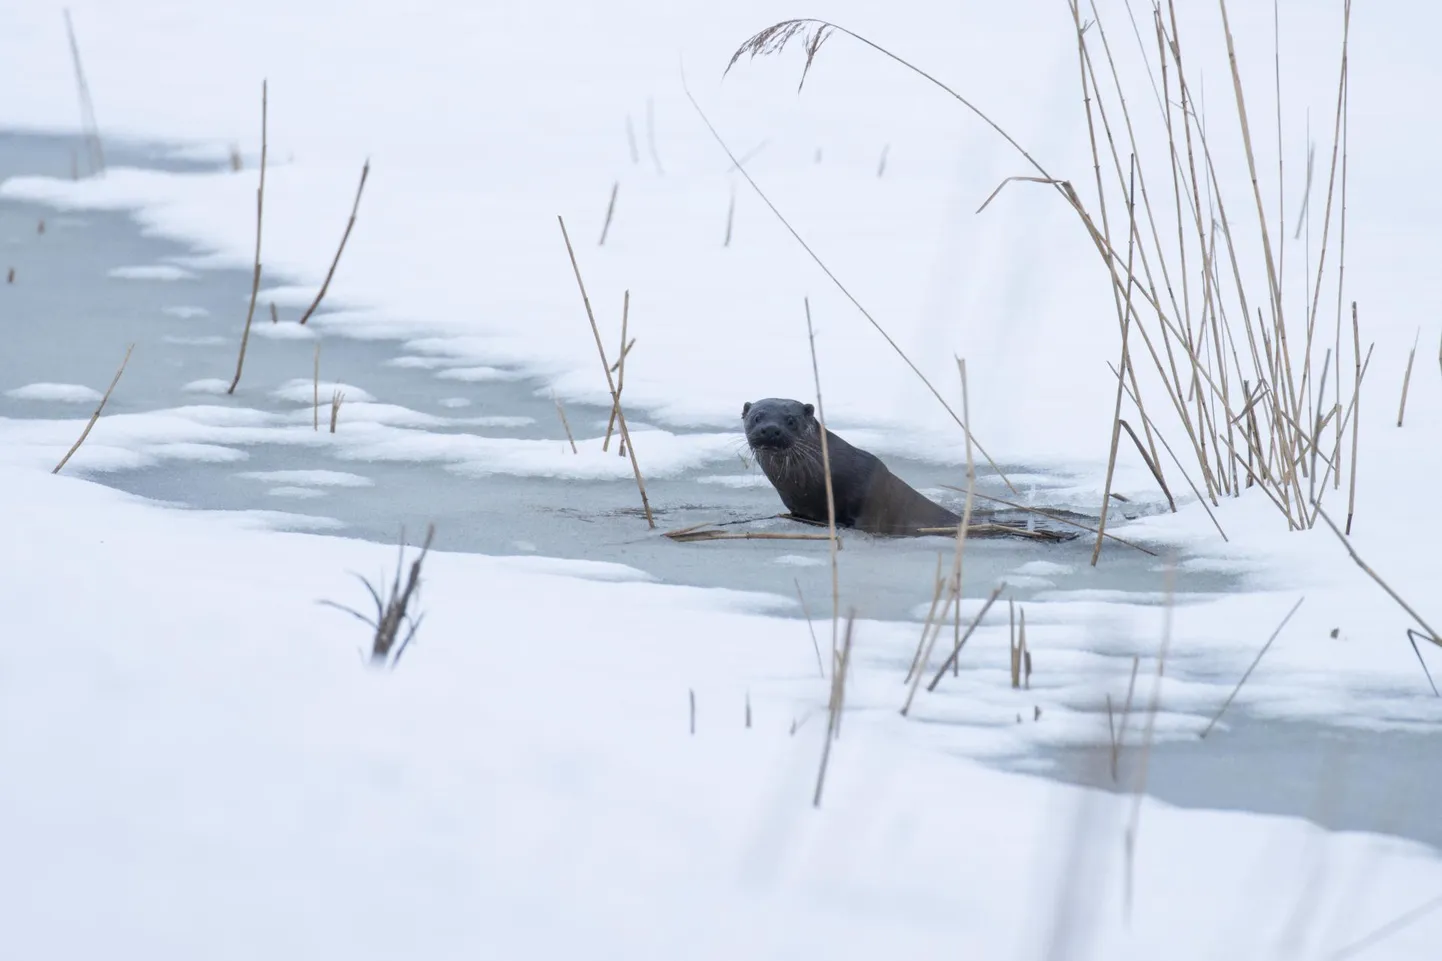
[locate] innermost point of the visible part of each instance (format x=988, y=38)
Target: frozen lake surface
x=411, y=449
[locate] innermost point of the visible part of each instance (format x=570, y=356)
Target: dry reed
x=259, y=212
x=336, y=399
x=340, y=249
x=830, y=493
x=565, y=424
x=1193, y=341
x=815, y=644
x=1407, y=378
x=619, y=367
x=610, y=212
x=393, y=611
x=756, y=188
x=838, y=699
x=615, y=397
x=89, y=126
x=95, y=416
x=1248, y=673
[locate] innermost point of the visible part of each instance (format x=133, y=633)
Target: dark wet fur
x=785, y=439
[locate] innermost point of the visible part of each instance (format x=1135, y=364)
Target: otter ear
x=809, y=409
x=746, y=408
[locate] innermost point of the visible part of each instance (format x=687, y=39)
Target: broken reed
x=335, y=261
x=336, y=399
x=1185, y=304
x=95, y=416
x=259, y=212
x=605, y=367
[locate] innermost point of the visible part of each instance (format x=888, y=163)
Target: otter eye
x=791, y=422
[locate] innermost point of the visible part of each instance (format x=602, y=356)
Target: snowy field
x=198, y=762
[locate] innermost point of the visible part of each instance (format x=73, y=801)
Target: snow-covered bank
x=479, y=138
x=524, y=785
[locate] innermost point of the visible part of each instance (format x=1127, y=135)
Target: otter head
x=774, y=424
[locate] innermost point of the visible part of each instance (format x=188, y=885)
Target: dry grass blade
x=830, y=492
x=1387, y=930
x=816, y=645
x=651, y=136
x=1121, y=734
x=1431, y=634
x=336, y=399
x=335, y=262
x=1412, y=636
x=936, y=588
x=956, y=649
x=87, y=107
x=730, y=217
x=259, y=212
x=1356, y=420
x=1151, y=465
x=1185, y=476
x=1125, y=318
x=95, y=416
x=610, y=212
x=620, y=368
x=1407, y=378
x=565, y=424
x=1139, y=788
x=611, y=383
x=839, y=285
x=838, y=699
x=1248, y=673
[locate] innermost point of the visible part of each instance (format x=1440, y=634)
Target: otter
x=785, y=437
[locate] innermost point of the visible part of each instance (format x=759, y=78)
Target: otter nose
x=769, y=434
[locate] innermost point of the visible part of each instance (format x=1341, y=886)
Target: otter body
x=785, y=437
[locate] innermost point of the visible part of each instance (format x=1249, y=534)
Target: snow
x=523, y=785
x=311, y=478
x=63, y=393
x=151, y=272
x=480, y=800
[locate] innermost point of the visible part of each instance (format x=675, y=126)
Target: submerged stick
x=95, y=416
x=611, y=383
x=335, y=262
x=1255, y=661
x=259, y=212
